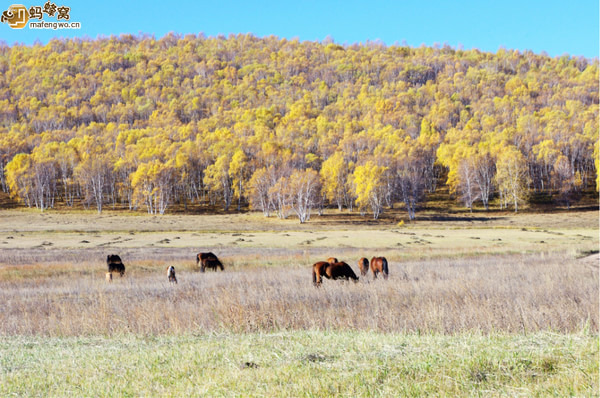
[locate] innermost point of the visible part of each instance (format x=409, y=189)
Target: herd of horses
x=330, y=269
x=334, y=269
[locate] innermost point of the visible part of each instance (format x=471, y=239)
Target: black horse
x=115, y=264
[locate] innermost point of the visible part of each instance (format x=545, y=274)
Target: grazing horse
x=208, y=260
x=379, y=264
x=332, y=260
x=115, y=264
x=171, y=274
x=363, y=266
x=332, y=271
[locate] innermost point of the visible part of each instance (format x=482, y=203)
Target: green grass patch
x=301, y=364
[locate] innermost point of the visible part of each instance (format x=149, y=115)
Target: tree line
x=289, y=127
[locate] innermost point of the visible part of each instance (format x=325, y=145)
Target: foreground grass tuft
x=303, y=363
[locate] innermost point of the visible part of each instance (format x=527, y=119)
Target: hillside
x=287, y=127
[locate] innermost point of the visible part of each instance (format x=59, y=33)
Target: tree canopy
x=140, y=122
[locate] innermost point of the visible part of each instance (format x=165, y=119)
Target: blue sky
x=556, y=27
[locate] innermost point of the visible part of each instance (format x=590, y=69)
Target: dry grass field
x=491, y=282
x=480, y=275
x=501, y=293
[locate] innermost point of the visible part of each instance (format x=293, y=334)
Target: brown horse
x=363, y=266
x=328, y=270
x=208, y=260
x=379, y=264
x=115, y=264
x=332, y=260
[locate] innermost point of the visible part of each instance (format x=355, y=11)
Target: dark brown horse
x=328, y=270
x=115, y=264
x=171, y=274
x=363, y=266
x=208, y=260
x=379, y=264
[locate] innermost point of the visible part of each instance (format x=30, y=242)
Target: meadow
x=476, y=305
x=302, y=364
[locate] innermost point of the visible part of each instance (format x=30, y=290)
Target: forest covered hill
x=288, y=126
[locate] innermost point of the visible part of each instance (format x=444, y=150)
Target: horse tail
x=197, y=259
x=363, y=266
x=384, y=268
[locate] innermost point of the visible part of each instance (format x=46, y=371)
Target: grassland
x=302, y=364
x=476, y=305
x=500, y=293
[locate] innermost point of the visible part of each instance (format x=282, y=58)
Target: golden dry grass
x=508, y=293
x=485, y=274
